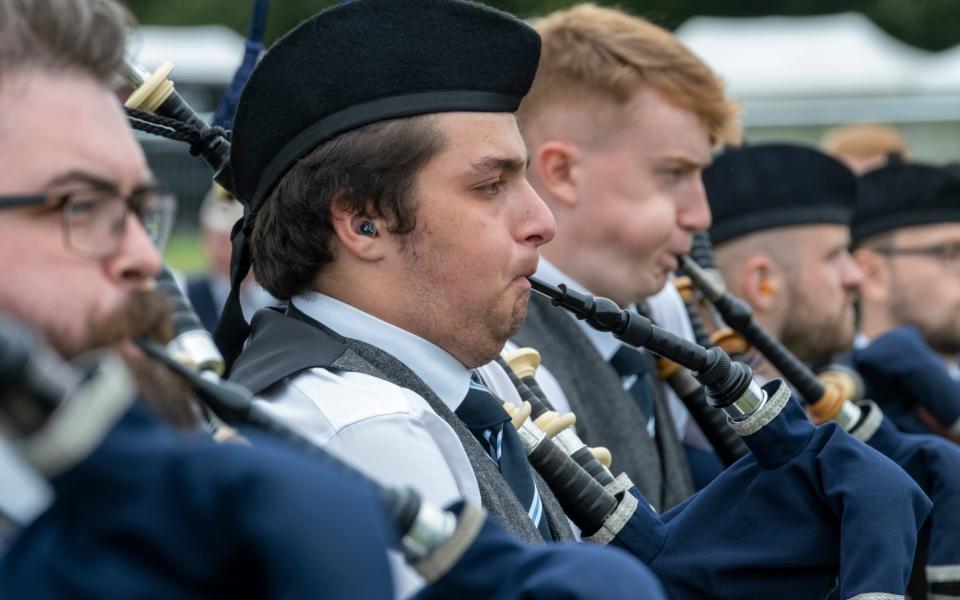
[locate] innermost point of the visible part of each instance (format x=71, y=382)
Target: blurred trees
x=929, y=24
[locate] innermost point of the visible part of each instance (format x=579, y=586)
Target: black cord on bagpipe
x=173, y=129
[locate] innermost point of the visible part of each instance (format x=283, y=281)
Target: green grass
x=184, y=252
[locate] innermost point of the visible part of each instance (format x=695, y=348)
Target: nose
x=852, y=275
x=138, y=261
x=537, y=226
x=693, y=210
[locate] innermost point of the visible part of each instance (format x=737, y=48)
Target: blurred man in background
x=906, y=239
x=208, y=291
x=865, y=146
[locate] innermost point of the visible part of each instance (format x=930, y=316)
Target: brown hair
x=370, y=169
x=591, y=53
x=62, y=35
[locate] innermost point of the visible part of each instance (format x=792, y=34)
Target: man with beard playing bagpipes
x=781, y=215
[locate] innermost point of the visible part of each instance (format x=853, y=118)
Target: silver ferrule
x=748, y=403
x=848, y=416
x=431, y=528
x=197, y=351
x=133, y=73
x=530, y=436
x=568, y=441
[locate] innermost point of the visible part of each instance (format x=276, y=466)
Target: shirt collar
x=860, y=341
x=442, y=373
x=603, y=341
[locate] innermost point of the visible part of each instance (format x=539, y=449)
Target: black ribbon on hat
x=232, y=329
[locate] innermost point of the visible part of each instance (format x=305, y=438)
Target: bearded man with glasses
x=905, y=233
x=82, y=219
x=95, y=213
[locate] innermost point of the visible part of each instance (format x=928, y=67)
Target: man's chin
x=646, y=287
x=517, y=316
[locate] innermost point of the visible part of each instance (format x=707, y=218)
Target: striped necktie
x=484, y=416
x=632, y=367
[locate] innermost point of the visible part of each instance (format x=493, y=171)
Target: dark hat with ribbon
x=766, y=186
x=904, y=195
x=356, y=64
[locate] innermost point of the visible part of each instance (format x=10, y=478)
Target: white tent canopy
x=200, y=55
x=825, y=69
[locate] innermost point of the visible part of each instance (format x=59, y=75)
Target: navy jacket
x=809, y=509
x=902, y=372
x=204, y=304
x=934, y=463
x=153, y=513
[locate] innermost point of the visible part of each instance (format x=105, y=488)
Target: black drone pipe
x=211, y=143
x=728, y=383
x=738, y=315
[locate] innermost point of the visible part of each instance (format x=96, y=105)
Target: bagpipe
x=830, y=398
x=613, y=512
x=58, y=412
x=836, y=394
x=729, y=384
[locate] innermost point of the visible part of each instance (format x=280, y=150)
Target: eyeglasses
x=947, y=254
x=95, y=220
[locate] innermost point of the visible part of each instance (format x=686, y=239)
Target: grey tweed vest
x=606, y=414
x=282, y=345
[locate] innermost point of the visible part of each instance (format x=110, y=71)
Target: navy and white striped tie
x=632, y=367
x=484, y=415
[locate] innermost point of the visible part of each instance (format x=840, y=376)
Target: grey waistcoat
x=606, y=414
x=282, y=345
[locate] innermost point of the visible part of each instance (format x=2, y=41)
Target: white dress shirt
x=386, y=431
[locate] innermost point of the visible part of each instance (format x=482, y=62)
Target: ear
x=347, y=229
x=762, y=283
x=556, y=162
x=875, y=281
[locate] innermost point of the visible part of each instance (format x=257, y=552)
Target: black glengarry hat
x=904, y=195
x=766, y=186
x=356, y=64
x=372, y=60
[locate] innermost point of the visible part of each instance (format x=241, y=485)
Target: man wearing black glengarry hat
x=384, y=182
x=781, y=214
x=905, y=232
